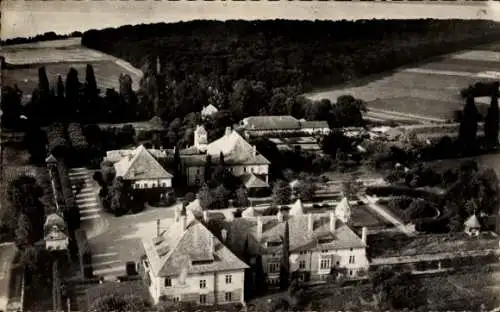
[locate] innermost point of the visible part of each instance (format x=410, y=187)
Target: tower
x=200, y=139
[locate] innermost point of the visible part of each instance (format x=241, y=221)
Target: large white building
x=142, y=170
x=240, y=158
x=318, y=243
x=186, y=262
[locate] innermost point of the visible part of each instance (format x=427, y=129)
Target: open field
x=429, y=89
x=58, y=56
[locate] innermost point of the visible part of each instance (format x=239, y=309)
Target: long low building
x=272, y=125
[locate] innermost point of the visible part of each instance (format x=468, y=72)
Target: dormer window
x=273, y=244
x=325, y=240
x=200, y=262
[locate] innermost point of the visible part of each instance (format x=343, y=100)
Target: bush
x=57, y=140
x=399, y=202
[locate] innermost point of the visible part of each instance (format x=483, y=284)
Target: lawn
x=136, y=288
x=392, y=245
x=423, y=93
x=106, y=72
x=453, y=292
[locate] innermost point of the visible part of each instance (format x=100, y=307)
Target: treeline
x=42, y=37
x=282, y=53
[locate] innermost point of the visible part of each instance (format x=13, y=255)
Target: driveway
x=121, y=242
x=384, y=213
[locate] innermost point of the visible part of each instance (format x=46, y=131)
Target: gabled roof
x=209, y=110
x=236, y=150
x=472, y=222
x=250, y=180
x=140, y=165
x=314, y=124
x=297, y=208
x=343, y=209
x=284, y=122
x=176, y=250
x=249, y=213
x=300, y=237
x=50, y=159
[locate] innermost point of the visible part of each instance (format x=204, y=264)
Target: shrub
x=399, y=202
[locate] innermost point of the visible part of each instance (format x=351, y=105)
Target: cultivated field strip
x=430, y=91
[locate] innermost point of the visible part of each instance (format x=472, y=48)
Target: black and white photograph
x=249, y=156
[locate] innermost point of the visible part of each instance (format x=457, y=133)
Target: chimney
x=364, y=234
x=333, y=221
x=205, y=216
x=259, y=228
x=254, y=150
x=183, y=222
x=228, y=131
x=176, y=214
x=223, y=234
x=280, y=216
x=157, y=227
x=310, y=223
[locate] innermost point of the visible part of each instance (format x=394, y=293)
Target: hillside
x=281, y=53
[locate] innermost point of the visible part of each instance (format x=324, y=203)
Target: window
x=350, y=272
x=197, y=171
x=324, y=250
x=203, y=284
x=164, y=184
x=203, y=299
x=274, y=267
x=303, y=252
x=153, y=185
x=252, y=169
x=168, y=282
x=302, y=264
x=351, y=259
x=244, y=169
x=325, y=263
x=146, y=185
x=176, y=299
x=273, y=244
x=146, y=264
x=229, y=296
x=229, y=279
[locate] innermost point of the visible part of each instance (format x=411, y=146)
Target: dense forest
x=282, y=53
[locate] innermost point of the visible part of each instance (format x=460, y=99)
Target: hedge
x=384, y=191
x=71, y=212
x=57, y=139
x=75, y=134
x=84, y=254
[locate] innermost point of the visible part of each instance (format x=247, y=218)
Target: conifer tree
x=491, y=124
x=285, y=259
x=468, y=125
x=208, y=168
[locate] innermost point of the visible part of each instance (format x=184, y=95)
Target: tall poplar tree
x=468, y=125
x=285, y=259
x=491, y=123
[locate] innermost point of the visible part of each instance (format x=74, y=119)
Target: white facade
x=207, y=288
x=319, y=263
x=151, y=183
x=196, y=174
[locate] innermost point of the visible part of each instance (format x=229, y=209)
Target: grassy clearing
x=106, y=73
x=136, y=288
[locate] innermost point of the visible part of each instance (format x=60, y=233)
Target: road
x=381, y=211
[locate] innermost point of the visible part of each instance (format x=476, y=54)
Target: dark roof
x=250, y=180
x=140, y=165
x=271, y=123
x=315, y=124
x=176, y=249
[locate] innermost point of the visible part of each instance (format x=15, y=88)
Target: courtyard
x=121, y=242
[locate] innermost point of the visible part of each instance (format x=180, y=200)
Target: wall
x=152, y=183
x=216, y=287
x=312, y=261
x=198, y=172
